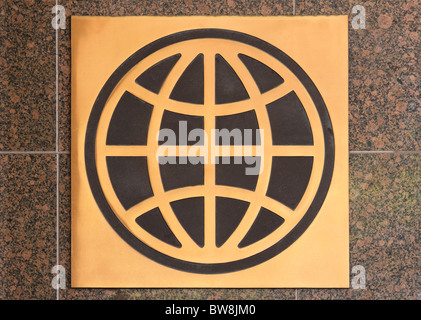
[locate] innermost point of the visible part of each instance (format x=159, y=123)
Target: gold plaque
x=210, y=152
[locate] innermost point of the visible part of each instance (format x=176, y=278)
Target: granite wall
x=384, y=144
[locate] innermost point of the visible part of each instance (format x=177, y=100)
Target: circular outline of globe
x=209, y=268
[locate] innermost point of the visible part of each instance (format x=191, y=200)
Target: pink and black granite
x=27, y=76
x=27, y=226
x=385, y=114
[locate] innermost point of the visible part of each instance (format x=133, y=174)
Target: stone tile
x=27, y=226
x=384, y=68
x=64, y=85
x=161, y=7
x=27, y=75
x=174, y=7
x=322, y=7
x=384, y=228
x=207, y=294
x=144, y=294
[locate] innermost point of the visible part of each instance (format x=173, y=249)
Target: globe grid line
x=209, y=168
x=208, y=112
x=196, y=191
x=264, y=177
x=153, y=165
x=220, y=110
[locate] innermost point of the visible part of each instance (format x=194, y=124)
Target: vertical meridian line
x=209, y=166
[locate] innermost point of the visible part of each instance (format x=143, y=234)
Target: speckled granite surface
x=27, y=76
x=27, y=226
x=384, y=228
x=384, y=69
x=385, y=114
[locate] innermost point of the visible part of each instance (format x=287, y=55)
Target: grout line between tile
x=57, y=168
x=57, y=215
x=293, y=7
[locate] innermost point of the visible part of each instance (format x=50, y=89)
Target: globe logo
x=151, y=161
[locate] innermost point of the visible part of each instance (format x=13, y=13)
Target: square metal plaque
x=210, y=152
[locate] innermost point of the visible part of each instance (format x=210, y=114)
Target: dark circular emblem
x=209, y=217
